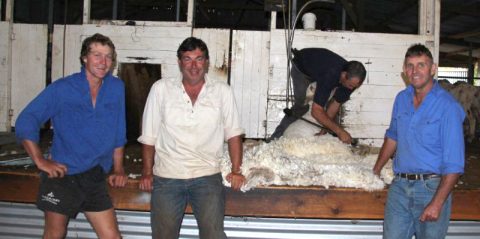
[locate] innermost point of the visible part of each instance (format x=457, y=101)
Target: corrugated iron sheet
x=25, y=221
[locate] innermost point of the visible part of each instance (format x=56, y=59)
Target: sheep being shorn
x=306, y=161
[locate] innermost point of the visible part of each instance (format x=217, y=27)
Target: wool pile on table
x=306, y=161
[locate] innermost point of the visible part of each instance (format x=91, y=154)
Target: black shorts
x=75, y=193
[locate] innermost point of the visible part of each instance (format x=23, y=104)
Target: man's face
x=98, y=61
x=351, y=83
x=419, y=70
x=193, y=66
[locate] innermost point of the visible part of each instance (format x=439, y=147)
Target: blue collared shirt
x=429, y=138
x=84, y=136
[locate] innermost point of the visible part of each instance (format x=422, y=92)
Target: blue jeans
x=169, y=199
x=405, y=204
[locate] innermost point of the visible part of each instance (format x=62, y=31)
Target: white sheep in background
x=469, y=97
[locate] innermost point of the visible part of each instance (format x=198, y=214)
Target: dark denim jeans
x=405, y=203
x=169, y=199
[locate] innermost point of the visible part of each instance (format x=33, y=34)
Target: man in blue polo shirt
x=87, y=112
x=426, y=133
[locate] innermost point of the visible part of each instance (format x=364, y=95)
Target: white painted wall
x=157, y=45
x=4, y=85
x=29, y=53
x=217, y=41
x=249, y=79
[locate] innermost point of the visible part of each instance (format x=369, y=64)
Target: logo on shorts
x=50, y=198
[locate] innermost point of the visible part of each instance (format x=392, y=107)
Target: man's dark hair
x=418, y=50
x=191, y=44
x=97, y=38
x=355, y=69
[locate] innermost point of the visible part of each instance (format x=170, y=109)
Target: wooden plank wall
x=134, y=44
x=217, y=41
x=249, y=79
x=367, y=115
x=29, y=53
x=4, y=85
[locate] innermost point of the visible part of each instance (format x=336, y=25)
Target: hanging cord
x=287, y=43
x=290, y=34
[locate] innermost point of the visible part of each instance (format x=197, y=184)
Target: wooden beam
x=191, y=7
x=456, y=8
x=86, y=11
x=463, y=35
x=8, y=62
x=459, y=42
x=462, y=50
x=280, y=201
x=429, y=24
x=9, y=10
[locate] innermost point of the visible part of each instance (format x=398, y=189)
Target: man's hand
x=52, y=168
x=431, y=213
x=321, y=132
x=146, y=183
x=345, y=137
x=236, y=180
x=117, y=179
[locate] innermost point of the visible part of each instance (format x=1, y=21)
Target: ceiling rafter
x=466, y=34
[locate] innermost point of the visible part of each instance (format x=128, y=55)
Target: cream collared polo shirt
x=188, y=138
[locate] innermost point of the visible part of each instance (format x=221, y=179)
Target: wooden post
x=86, y=11
x=471, y=67
x=429, y=24
x=8, y=104
x=191, y=7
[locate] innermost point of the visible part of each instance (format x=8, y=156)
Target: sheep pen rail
x=272, y=201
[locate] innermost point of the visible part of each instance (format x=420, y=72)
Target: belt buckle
x=413, y=176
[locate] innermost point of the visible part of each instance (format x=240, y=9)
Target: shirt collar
x=179, y=83
x=82, y=83
x=435, y=88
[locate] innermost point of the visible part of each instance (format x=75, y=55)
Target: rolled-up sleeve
x=35, y=114
x=231, y=119
x=392, y=129
x=151, y=116
x=452, y=140
x=121, y=134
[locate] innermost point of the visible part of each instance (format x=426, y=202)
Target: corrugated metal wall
x=25, y=221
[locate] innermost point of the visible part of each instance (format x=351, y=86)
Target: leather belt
x=412, y=176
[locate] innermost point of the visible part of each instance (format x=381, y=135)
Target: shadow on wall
x=138, y=78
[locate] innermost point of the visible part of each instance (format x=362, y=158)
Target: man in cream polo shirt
x=185, y=123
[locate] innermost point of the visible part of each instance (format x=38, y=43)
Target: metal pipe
x=177, y=16
x=294, y=9
x=115, y=10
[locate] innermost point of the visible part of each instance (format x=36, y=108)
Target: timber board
x=271, y=201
